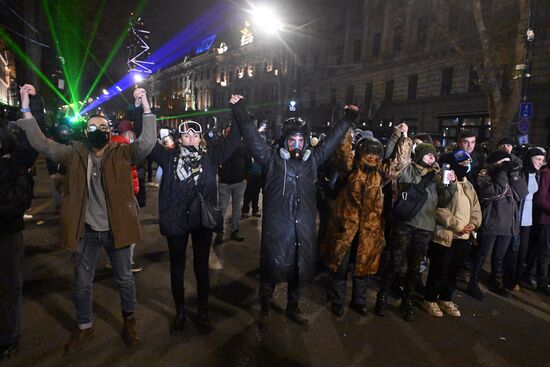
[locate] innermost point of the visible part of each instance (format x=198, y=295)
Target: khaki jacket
x=117, y=182
x=463, y=209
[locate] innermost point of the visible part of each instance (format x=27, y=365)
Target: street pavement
x=497, y=332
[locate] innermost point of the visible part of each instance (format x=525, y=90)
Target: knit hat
x=496, y=156
x=423, y=149
x=534, y=152
x=506, y=140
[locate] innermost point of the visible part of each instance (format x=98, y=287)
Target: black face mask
x=460, y=171
x=98, y=139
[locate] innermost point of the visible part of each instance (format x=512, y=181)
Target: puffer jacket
x=463, y=209
x=289, y=250
x=358, y=210
x=135, y=181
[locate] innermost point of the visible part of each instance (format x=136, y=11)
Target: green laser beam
x=90, y=40
x=114, y=50
x=212, y=112
x=13, y=46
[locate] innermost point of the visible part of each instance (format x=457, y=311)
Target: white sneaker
x=27, y=216
x=449, y=308
x=432, y=309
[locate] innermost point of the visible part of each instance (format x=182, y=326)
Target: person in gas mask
x=98, y=209
x=189, y=173
x=289, y=251
x=355, y=234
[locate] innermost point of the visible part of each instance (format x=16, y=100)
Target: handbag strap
x=427, y=179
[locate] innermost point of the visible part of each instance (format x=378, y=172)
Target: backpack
x=412, y=199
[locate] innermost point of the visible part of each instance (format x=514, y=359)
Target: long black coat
x=179, y=207
x=289, y=250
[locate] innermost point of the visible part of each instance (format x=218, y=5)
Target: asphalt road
x=497, y=332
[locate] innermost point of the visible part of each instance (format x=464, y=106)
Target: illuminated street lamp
x=138, y=78
x=105, y=92
x=266, y=20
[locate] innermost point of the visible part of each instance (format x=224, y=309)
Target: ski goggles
x=190, y=127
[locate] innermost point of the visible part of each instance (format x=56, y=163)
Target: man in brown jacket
x=98, y=209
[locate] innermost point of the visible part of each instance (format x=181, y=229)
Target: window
x=473, y=81
x=376, y=44
x=368, y=95
x=397, y=38
x=339, y=54
x=450, y=126
x=312, y=99
x=421, y=32
x=349, y=95
x=446, y=81
x=356, y=51
x=333, y=96
x=389, y=91
x=413, y=85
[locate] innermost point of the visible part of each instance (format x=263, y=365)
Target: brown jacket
x=358, y=210
x=463, y=209
x=116, y=176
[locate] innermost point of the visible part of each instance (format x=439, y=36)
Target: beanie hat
x=505, y=140
x=423, y=149
x=532, y=152
x=496, y=156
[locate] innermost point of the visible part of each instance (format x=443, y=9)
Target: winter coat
x=179, y=205
x=358, y=210
x=289, y=250
x=116, y=176
x=542, y=198
x=439, y=195
x=15, y=192
x=135, y=181
x=500, y=194
x=463, y=209
x=236, y=168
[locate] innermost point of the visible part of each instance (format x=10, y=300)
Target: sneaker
x=432, y=309
x=78, y=340
x=8, y=351
x=450, y=308
x=516, y=288
x=130, y=332
x=235, y=236
x=27, y=216
x=136, y=268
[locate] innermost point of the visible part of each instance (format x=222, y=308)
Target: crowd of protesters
x=387, y=212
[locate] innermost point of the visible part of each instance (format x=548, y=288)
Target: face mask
x=98, y=139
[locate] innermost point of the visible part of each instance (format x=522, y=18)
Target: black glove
x=505, y=166
x=350, y=114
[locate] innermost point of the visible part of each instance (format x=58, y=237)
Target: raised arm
x=255, y=143
x=324, y=150
x=398, y=152
x=227, y=146
x=145, y=142
x=49, y=148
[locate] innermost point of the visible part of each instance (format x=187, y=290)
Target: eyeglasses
x=187, y=127
x=102, y=127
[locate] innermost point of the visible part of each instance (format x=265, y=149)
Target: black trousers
x=514, y=262
x=252, y=193
x=445, y=265
x=407, y=243
x=338, y=279
x=11, y=286
x=202, y=239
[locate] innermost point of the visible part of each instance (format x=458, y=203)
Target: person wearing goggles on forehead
x=98, y=172
x=189, y=172
x=289, y=250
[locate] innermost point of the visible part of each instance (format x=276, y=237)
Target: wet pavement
x=497, y=332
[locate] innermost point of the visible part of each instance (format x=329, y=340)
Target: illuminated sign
x=223, y=48
x=205, y=44
x=247, y=37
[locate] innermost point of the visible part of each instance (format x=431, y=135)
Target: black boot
x=380, y=306
x=337, y=309
x=497, y=287
x=474, y=291
x=294, y=313
x=176, y=327
x=360, y=309
x=407, y=309
x=235, y=236
x=204, y=322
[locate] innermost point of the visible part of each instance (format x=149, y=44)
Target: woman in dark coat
x=289, y=250
x=187, y=170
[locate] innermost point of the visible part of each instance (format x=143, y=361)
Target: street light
x=265, y=19
x=138, y=78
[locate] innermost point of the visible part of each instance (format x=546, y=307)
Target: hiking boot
x=337, y=309
x=176, y=327
x=450, y=308
x=130, y=332
x=8, y=351
x=407, y=309
x=381, y=301
x=474, y=291
x=294, y=313
x=432, y=309
x=78, y=340
x=219, y=239
x=235, y=236
x=360, y=309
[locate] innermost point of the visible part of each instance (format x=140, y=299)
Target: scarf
x=188, y=163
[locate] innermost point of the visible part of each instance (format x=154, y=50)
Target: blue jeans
x=85, y=260
x=487, y=243
x=11, y=286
